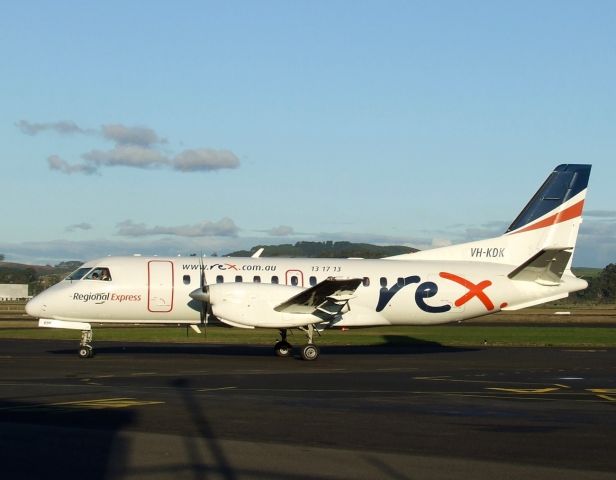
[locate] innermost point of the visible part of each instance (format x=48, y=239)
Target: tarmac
x=152, y=411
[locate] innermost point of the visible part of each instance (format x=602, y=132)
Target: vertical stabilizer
x=549, y=221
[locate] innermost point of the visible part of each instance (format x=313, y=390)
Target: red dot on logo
x=503, y=305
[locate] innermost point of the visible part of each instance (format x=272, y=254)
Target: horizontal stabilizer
x=328, y=297
x=545, y=268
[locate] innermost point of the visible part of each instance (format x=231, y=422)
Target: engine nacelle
x=252, y=305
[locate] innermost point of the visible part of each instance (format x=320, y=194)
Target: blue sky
x=177, y=127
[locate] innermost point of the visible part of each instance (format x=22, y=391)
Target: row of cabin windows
x=312, y=281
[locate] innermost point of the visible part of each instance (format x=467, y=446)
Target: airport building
x=13, y=291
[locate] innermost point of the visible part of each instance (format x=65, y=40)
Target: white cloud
x=56, y=163
x=205, y=159
x=281, y=231
x=601, y=213
x=124, y=135
x=127, y=156
x=225, y=227
x=135, y=147
x=79, y=226
x=64, y=128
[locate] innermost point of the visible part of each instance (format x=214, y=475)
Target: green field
x=583, y=326
x=446, y=335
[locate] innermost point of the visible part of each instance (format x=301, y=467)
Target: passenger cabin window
x=383, y=282
x=186, y=279
x=220, y=279
x=294, y=281
x=238, y=279
x=400, y=282
x=78, y=274
x=275, y=279
x=366, y=282
x=256, y=279
x=312, y=281
x=99, y=273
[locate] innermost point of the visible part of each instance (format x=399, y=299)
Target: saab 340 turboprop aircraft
x=528, y=265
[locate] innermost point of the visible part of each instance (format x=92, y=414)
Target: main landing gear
x=85, y=349
x=309, y=351
x=283, y=348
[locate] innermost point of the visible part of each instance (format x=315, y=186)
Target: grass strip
x=447, y=335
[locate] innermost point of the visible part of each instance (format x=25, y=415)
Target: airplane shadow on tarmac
x=70, y=440
x=392, y=345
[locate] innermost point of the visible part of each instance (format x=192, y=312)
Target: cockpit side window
x=99, y=273
x=78, y=274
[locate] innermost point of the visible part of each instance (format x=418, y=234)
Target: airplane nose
x=36, y=307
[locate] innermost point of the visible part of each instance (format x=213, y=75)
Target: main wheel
x=310, y=352
x=283, y=349
x=86, y=351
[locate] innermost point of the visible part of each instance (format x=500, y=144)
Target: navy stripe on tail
x=565, y=182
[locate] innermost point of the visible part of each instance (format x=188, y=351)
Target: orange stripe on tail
x=573, y=211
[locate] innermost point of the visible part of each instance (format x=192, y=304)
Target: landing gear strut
x=310, y=351
x=85, y=349
x=283, y=348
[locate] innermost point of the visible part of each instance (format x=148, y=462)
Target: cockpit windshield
x=98, y=273
x=78, y=274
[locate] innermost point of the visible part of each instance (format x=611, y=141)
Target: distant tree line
x=38, y=278
x=601, y=289
x=18, y=275
x=327, y=249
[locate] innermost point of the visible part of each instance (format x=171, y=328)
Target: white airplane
x=528, y=265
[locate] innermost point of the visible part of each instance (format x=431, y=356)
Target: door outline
x=160, y=308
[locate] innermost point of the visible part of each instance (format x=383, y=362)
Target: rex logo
x=430, y=289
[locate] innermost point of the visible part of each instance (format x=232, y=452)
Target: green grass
x=450, y=335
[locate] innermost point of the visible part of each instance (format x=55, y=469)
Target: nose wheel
x=85, y=349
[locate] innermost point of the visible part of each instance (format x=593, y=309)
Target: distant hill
x=62, y=267
x=327, y=249
x=586, y=272
x=38, y=277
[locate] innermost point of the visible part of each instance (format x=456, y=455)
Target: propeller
x=202, y=294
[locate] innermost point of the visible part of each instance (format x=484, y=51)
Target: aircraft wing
x=326, y=298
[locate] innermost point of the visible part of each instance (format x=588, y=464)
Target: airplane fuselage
x=156, y=290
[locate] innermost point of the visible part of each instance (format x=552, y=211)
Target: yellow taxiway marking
x=605, y=393
x=524, y=390
x=216, y=389
x=100, y=403
x=96, y=404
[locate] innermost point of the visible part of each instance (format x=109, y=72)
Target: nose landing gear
x=85, y=349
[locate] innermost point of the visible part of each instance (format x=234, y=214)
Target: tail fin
x=559, y=199
x=549, y=222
